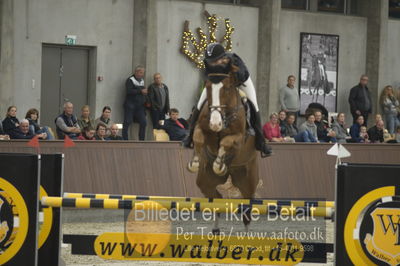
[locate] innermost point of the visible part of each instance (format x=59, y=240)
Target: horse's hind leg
x=198, y=140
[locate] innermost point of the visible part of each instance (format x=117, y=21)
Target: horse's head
x=221, y=97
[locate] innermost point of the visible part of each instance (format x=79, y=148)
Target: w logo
x=384, y=244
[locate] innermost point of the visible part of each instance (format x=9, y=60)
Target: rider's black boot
x=188, y=142
x=261, y=145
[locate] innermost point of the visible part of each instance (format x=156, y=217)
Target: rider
x=217, y=61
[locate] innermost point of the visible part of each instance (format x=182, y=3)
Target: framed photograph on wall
x=319, y=55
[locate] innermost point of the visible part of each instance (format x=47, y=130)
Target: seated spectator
x=309, y=128
x=3, y=135
x=271, y=129
x=375, y=133
x=101, y=130
x=67, y=124
x=397, y=135
x=87, y=134
x=282, y=121
x=11, y=123
x=85, y=120
x=33, y=117
x=355, y=130
x=105, y=118
x=324, y=133
x=114, y=133
x=292, y=132
x=23, y=131
x=177, y=128
x=339, y=126
x=378, y=117
x=364, y=135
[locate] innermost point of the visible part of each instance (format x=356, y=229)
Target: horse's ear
x=234, y=68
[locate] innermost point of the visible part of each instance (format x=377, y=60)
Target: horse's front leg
x=198, y=141
x=229, y=144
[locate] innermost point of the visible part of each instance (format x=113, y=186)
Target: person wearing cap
x=218, y=61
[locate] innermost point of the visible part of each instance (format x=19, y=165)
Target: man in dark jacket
x=134, y=103
x=375, y=133
x=177, y=128
x=23, y=131
x=67, y=123
x=360, y=100
x=159, y=100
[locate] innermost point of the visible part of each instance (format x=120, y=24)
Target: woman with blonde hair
x=85, y=120
x=390, y=107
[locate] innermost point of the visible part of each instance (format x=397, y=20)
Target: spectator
x=378, y=117
x=105, y=118
x=355, y=130
x=364, y=135
x=11, y=123
x=289, y=97
x=87, y=134
x=159, y=100
x=324, y=133
x=339, y=126
x=390, y=106
x=33, y=117
x=85, y=120
x=177, y=128
x=375, y=133
x=397, y=135
x=3, y=135
x=100, y=131
x=67, y=124
x=23, y=131
x=134, y=103
x=282, y=121
x=309, y=128
x=292, y=132
x=114, y=133
x=360, y=100
x=271, y=129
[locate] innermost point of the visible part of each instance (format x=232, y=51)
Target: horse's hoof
x=193, y=166
x=216, y=231
x=220, y=169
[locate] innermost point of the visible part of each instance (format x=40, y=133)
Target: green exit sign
x=70, y=39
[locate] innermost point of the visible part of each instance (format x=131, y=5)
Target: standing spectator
x=114, y=133
x=339, y=126
x=324, y=133
x=282, y=121
x=87, y=134
x=23, y=131
x=100, y=132
x=289, y=97
x=159, y=100
x=390, y=106
x=177, y=128
x=355, y=130
x=375, y=133
x=33, y=117
x=105, y=118
x=11, y=122
x=310, y=127
x=134, y=103
x=67, y=123
x=85, y=120
x=360, y=100
x=271, y=129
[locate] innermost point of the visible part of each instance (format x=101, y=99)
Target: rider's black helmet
x=214, y=52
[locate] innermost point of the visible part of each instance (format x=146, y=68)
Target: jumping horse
x=222, y=145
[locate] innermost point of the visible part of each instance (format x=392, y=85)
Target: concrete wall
x=352, y=33
x=393, y=57
x=104, y=24
x=182, y=77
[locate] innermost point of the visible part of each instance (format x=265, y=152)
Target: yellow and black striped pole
x=217, y=207
x=279, y=202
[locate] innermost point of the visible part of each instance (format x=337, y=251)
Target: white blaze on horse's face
x=215, y=117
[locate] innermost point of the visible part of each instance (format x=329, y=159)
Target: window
x=394, y=8
x=295, y=4
x=331, y=6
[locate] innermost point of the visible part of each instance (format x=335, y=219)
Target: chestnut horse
x=222, y=145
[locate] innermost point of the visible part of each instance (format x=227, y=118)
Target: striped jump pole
x=279, y=202
x=217, y=207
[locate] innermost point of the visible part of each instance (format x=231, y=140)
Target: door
x=64, y=78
